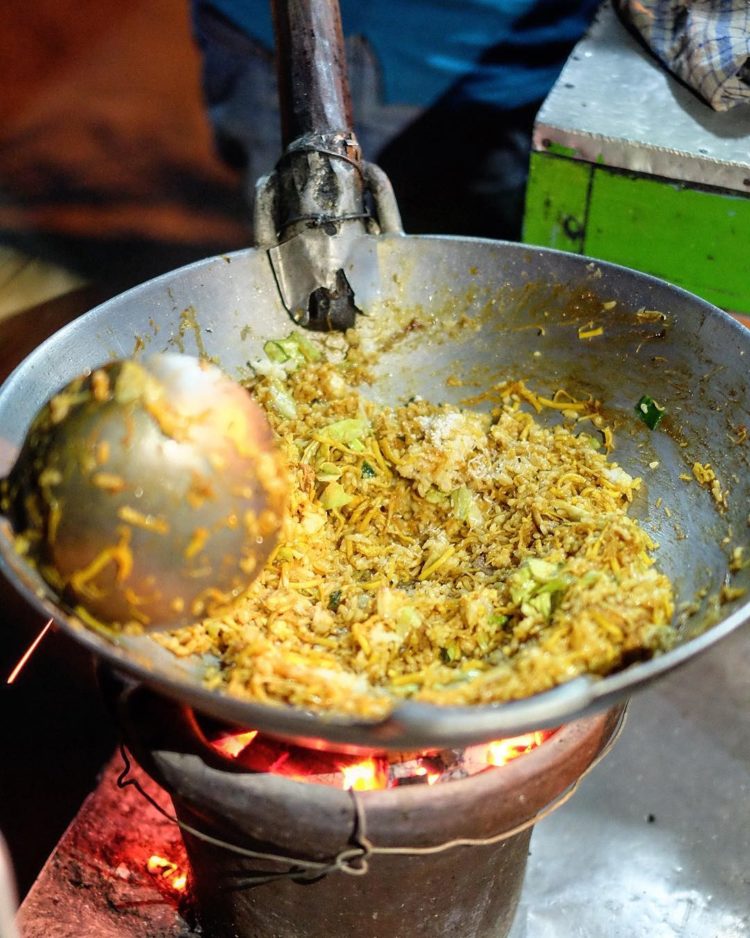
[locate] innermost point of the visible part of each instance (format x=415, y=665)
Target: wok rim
x=410, y=724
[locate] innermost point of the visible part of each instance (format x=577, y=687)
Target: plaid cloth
x=706, y=43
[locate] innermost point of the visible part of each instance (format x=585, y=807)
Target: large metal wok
x=527, y=304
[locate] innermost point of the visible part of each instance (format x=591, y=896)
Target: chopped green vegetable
x=367, y=471
x=541, y=570
x=450, y=653
x=296, y=348
x=649, y=411
x=282, y=401
x=334, y=496
x=556, y=585
x=327, y=472
x=435, y=496
x=522, y=584
x=538, y=586
x=311, y=351
x=347, y=431
x=309, y=451
x=407, y=618
x=285, y=554
x=498, y=620
x=541, y=603
x=275, y=351
x=592, y=441
x=464, y=505
x=334, y=600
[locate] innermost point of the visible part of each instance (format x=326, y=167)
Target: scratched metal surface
x=521, y=310
x=614, y=103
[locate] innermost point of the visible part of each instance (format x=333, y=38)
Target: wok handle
x=311, y=62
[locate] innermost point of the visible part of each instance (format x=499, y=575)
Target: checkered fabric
x=706, y=43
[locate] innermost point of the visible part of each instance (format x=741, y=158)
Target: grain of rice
x=475, y=558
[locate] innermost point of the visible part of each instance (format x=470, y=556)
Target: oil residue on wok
x=433, y=552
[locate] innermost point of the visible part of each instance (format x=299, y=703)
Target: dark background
x=107, y=170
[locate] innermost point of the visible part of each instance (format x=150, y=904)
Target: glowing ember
x=167, y=871
x=364, y=776
x=259, y=753
x=233, y=744
x=502, y=751
x=430, y=777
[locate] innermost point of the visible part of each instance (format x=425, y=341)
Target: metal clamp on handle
x=309, y=215
x=321, y=198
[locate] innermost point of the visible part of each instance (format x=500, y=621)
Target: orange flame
x=363, y=776
x=372, y=772
x=233, y=744
x=423, y=772
x=432, y=777
x=502, y=751
x=167, y=871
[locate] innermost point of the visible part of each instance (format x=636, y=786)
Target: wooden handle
x=311, y=63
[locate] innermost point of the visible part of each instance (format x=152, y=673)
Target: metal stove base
x=655, y=843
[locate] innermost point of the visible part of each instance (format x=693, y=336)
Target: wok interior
x=494, y=311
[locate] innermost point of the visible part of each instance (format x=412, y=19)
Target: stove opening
x=257, y=752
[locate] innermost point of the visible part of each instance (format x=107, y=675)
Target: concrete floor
x=656, y=842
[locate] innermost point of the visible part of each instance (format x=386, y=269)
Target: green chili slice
x=649, y=411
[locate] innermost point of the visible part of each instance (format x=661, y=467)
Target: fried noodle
x=433, y=552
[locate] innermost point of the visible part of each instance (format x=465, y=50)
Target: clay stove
x=281, y=844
